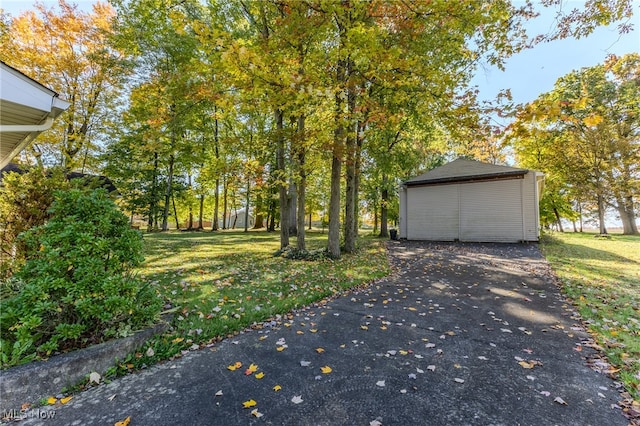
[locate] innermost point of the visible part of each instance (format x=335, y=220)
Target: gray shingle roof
x=464, y=170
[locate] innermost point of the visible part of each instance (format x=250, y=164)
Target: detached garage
x=471, y=201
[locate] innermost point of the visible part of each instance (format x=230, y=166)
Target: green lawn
x=602, y=279
x=220, y=283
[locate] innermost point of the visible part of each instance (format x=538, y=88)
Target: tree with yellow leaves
x=587, y=132
x=68, y=50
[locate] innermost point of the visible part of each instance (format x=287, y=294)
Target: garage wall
x=432, y=213
x=530, y=204
x=495, y=211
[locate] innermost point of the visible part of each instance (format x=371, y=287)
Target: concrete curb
x=39, y=379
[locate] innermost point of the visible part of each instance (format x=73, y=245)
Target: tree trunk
x=628, y=216
x=350, y=175
x=175, y=212
x=201, y=212
x=153, y=203
x=292, y=201
x=246, y=206
x=282, y=185
x=216, y=202
x=558, y=219
x=359, y=142
x=384, y=231
x=375, y=219
x=333, y=243
x=167, y=195
x=300, y=241
x=225, y=204
x=190, y=224
x=603, y=229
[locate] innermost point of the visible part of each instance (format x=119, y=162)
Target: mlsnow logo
x=29, y=414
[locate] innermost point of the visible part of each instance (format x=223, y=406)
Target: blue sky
x=534, y=71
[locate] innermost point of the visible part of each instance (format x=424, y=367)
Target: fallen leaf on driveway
x=256, y=413
x=276, y=388
x=431, y=367
x=124, y=422
x=380, y=383
x=248, y=404
x=52, y=400
x=296, y=399
x=65, y=400
x=219, y=393
x=326, y=369
x=458, y=380
x=320, y=350
x=260, y=375
x=560, y=401
x=305, y=363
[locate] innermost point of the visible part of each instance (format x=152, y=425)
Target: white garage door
x=491, y=211
x=432, y=213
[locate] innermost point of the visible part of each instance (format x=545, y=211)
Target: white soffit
x=27, y=108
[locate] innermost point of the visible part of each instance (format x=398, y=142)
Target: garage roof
x=461, y=170
x=27, y=108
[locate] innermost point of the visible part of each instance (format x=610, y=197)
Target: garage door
x=491, y=211
x=432, y=213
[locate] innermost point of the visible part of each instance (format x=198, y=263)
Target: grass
x=218, y=284
x=602, y=279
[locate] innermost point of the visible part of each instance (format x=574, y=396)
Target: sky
x=534, y=71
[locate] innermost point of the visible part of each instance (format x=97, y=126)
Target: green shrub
x=25, y=199
x=76, y=287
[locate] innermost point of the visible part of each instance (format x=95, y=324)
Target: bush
x=76, y=287
x=24, y=203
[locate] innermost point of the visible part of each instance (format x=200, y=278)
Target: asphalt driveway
x=459, y=334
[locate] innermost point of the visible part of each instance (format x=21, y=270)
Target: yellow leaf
x=52, y=400
x=177, y=340
x=383, y=327
x=276, y=388
x=403, y=352
x=592, y=120
x=260, y=375
x=234, y=366
x=364, y=327
x=326, y=369
x=124, y=422
x=412, y=308
x=313, y=330
x=67, y=399
x=525, y=364
x=253, y=368
x=248, y=404
x=280, y=348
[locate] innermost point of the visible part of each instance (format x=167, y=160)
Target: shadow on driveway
x=459, y=334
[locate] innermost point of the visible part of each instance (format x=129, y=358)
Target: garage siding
x=432, y=213
x=529, y=189
x=491, y=211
